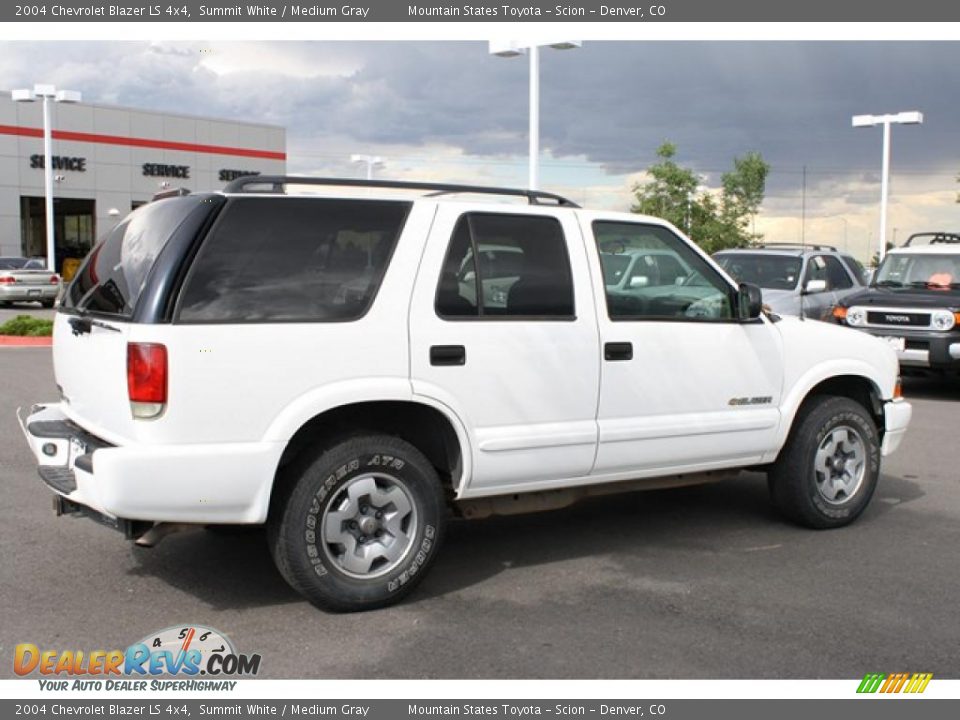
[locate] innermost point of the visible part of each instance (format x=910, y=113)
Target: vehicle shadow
x=234, y=570
x=931, y=387
x=228, y=569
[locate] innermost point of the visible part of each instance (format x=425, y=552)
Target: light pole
x=47, y=93
x=512, y=48
x=371, y=161
x=903, y=118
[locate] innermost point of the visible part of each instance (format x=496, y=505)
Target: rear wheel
x=828, y=470
x=357, y=525
x=47, y=303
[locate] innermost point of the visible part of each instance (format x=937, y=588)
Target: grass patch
x=27, y=326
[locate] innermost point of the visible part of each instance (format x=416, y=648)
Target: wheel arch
x=861, y=387
x=433, y=430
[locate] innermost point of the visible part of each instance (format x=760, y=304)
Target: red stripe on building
x=142, y=142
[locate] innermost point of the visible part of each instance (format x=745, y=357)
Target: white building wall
x=114, y=175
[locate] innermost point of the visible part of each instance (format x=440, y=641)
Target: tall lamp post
x=512, y=48
x=47, y=93
x=903, y=118
x=371, y=162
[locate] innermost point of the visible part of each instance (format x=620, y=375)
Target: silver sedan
x=27, y=280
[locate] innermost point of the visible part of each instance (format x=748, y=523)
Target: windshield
x=113, y=274
x=928, y=271
x=774, y=272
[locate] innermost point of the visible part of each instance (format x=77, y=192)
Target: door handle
x=613, y=351
x=448, y=355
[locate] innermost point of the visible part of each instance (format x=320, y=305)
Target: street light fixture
x=371, y=161
x=903, y=118
x=47, y=93
x=512, y=48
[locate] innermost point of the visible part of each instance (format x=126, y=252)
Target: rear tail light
x=147, y=379
x=7, y=280
x=54, y=279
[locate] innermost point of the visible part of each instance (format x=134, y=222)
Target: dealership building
x=107, y=161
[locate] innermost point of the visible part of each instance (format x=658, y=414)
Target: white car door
x=685, y=385
x=503, y=332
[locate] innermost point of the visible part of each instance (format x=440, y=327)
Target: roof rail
x=278, y=182
x=173, y=192
x=936, y=238
x=802, y=246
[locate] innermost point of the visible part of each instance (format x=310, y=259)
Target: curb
x=18, y=341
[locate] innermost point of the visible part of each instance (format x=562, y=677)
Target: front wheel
x=358, y=524
x=828, y=470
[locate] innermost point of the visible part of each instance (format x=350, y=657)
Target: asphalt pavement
x=703, y=582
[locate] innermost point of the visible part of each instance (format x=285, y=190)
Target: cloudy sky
x=451, y=111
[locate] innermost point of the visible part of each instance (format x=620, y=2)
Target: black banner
x=853, y=709
x=608, y=11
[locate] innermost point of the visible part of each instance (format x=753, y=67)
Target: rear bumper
x=18, y=292
x=198, y=483
x=896, y=417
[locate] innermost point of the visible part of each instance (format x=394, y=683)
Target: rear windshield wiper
x=83, y=323
x=887, y=283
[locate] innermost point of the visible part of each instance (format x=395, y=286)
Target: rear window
x=112, y=276
x=292, y=260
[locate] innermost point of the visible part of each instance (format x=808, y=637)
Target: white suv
x=352, y=367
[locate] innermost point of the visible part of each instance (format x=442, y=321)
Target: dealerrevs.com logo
x=180, y=651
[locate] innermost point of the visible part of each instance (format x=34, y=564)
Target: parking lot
x=690, y=583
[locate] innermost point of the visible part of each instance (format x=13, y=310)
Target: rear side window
x=292, y=260
x=506, y=266
x=111, y=278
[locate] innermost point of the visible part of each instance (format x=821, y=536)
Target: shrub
x=27, y=326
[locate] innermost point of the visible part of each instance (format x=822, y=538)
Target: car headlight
x=942, y=320
x=856, y=316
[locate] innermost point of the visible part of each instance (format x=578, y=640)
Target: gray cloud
x=609, y=102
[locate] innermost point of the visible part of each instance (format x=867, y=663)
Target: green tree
x=668, y=194
x=714, y=221
x=743, y=189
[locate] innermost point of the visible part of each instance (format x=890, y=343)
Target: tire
x=374, y=491
x=828, y=469
x=47, y=303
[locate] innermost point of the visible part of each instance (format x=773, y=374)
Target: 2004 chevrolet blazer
x=348, y=366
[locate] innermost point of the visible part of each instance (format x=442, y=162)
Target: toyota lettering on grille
x=897, y=318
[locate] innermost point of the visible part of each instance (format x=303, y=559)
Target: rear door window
x=112, y=276
x=501, y=265
x=292, y=260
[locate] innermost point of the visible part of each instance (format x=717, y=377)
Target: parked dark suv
x=914, y=303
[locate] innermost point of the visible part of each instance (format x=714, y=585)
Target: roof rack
x=172, y=192
x=277, y=184
x=936, y=238
x=803, y=246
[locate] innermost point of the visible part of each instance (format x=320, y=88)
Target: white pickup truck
x=352, y=366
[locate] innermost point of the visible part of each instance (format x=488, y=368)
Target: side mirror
x=815, y=286
x=749, y=301
x=639, y=281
